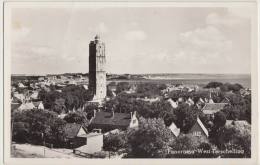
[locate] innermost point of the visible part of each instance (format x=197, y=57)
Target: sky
x=138, y=39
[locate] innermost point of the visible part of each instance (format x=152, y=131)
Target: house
x=85, y=87
x=74, y=135
x=134, y=121
x=38, y=104
x=34, y=95
x=107, y=121
x=132, y=89
x=94, y=143
x=18, y=97
x=211, y=108
x=151, y=100
x=15, y=106
x=41, y=79
x=113, y=94
x=173, y=103
x=115, y=131
x=112, y=87
x=13, y=89
x=72, y=82
x=200, y=103
x=245, y=92
x=211, y=101
x=199, y=130
x=62, y=115
x=238, y=123
x=26, y=106
x=180, y=99
x=174, y=129
x=20, y=85
x=190, y=102
x=226, y=100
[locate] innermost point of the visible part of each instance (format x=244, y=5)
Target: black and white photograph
x=130, y=81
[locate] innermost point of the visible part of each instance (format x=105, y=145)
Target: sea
x=194, y=79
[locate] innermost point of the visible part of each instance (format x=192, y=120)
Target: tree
x=150, y=140
x=238, y=135
x=219, y=120
x=189, y=142
x=30, y=125
x=231, y=87
x=74, y=118
x=186, y=116
x=114, y=142
x=59, y=106
x=123, y=103
x=213, y=84
x=239, y=109
x=122, y=86
x=149, y=89
x=109, y=93
x=73, y=96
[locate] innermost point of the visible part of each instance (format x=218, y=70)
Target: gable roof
x=203, y=127
x=20, y=85
x=106, y=118
x=71, y=129
x=175, y=130
x=211, y=108
x=173, y=103
x=34, y=95
x=36, y=103
x=26, y=106
x=239, y=123
x=19, y=96
x=225, y=100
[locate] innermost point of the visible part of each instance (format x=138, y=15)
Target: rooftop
x=106, y=118
x=211, y=108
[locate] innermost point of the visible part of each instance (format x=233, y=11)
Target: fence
x=87, y=155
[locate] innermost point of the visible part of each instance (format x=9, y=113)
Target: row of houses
x=90, y=139
x=186, y=88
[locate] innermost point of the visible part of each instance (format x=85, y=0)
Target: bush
x=114, y=142
x=150, y=140
x=74, y=118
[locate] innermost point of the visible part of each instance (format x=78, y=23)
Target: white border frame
x=8, y=6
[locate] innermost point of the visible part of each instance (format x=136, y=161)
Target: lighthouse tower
x=97, y=68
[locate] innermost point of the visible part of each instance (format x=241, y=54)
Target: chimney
x=134, y=115
x=113, y=113
x=95, y=113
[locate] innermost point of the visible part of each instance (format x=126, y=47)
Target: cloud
x=203, y=45
x=136, y=35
